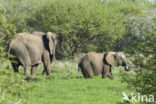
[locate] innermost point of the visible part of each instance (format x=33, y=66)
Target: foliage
x=64, y=86
x=83, y=26
x=79, y=24
x=11, y=86
x=67, y=86
x=7, y=31
x=144, y=81
x=19, y=10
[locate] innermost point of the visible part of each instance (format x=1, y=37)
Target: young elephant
x=93, y=64
x=30, y=50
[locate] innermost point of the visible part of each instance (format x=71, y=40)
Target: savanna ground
x=67, y=86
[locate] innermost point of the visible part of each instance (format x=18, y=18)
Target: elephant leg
x=46, y=63
x=26, y=69
x=46, y=68
x=86, y=75
x=90, y=75
x=15, y=67
x=83, y=72
x=34, y=69
x=103, y=74
x=88, y=71
x=110, y=74
x=54, y=59
x=107, y=72
x=44, y=71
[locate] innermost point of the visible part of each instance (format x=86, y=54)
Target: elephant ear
x=55, y=35
x=111, y=58
x=51, y=43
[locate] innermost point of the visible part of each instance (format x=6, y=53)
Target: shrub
x=12, y=88
x=144, y=81
x=7, y=32
x=78, y=22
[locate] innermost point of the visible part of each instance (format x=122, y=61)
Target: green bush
x=90, y=48
x=81, y=22
x=78, y=22
x=144, y=80
x=12, y=88
x=7, y=32
x=18, y=11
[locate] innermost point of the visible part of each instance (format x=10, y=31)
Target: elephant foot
x=34, y=69
x=111, y=77
x=103, y=77
x=48, y=73
x=86, y=77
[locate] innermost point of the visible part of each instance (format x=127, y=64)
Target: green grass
x=76, y=91
x=67, y=86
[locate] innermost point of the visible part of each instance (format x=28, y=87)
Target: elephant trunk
x=54, y=55
x=127, y=65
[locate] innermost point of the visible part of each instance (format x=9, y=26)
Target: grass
x=76, y=91
x=67, y=86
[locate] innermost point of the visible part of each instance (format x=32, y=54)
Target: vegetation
x=9, y=83
x=144, y=81
x=80, y=25
x=64, y=86
x=83, y=26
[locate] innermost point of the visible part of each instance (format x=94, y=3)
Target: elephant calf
x=93, y=64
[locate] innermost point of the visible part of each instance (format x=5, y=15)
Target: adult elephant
x=93, y=64
x=30, y=50
x=55, y=39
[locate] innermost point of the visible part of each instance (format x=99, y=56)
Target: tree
x=79, y=24
x=144, y=30
x=7, y=31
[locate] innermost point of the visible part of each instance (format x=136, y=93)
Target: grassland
x=67, y=86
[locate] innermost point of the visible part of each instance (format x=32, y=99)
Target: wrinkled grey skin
x=30, y=50
x=93, y=64
x=55, y=39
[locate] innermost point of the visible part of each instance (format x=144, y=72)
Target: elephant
x=30, y=51
x=55, y=38
x=93, y=64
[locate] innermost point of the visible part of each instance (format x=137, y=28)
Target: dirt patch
x=30, y=79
